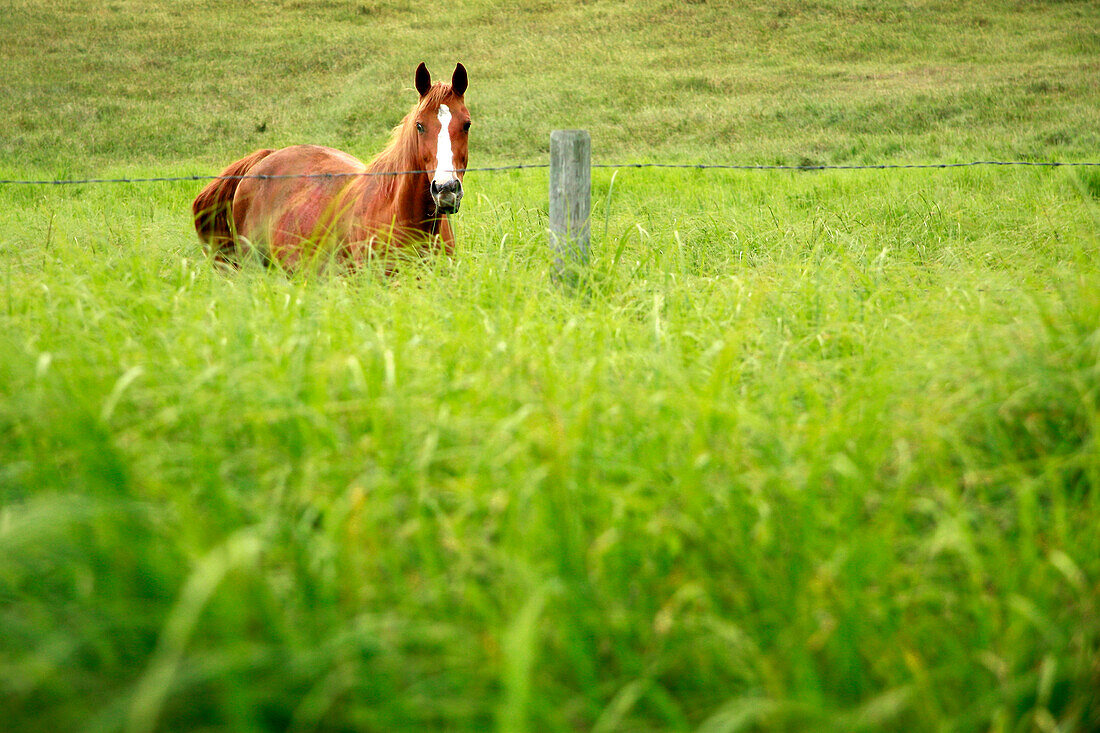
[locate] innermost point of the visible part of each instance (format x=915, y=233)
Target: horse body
x=306, y=201
x=285, y=219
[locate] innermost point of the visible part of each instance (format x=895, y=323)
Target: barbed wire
x=843, y=166
x=258, y=176
x=523, y=166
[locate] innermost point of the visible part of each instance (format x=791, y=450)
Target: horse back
x=307, y=204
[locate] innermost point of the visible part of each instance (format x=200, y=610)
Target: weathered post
x=570, y=200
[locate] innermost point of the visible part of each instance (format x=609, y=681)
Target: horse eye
x=420, y=128
x=466, y=127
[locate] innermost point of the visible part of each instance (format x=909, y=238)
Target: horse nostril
x=452, y=187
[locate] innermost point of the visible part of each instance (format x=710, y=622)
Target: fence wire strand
x=525, y=166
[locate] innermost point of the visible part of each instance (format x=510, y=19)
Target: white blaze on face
x=444, y=158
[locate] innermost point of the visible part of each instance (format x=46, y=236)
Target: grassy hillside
x=808, y=451
x=110, y=85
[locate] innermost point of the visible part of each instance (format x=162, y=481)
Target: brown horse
x=321, y=202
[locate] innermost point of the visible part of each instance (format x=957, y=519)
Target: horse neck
x=404, y=198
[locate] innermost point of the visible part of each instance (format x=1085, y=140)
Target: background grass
x=807, y=451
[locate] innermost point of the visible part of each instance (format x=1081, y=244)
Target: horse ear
x=423, y=79
x=459, y=80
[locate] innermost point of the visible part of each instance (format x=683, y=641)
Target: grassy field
x=805, y=451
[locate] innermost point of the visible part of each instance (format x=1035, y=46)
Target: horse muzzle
x=447, y=196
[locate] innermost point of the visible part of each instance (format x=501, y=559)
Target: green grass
x=806, y=451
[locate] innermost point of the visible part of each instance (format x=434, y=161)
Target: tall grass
x=799, y=452
x=797, y=473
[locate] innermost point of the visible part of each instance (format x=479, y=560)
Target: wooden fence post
x=570, y=199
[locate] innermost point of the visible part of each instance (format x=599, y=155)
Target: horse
x=293, y=205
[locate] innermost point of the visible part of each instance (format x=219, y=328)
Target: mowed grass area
x=94, y=87
x=810, y=451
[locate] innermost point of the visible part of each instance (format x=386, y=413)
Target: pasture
x=804, y=451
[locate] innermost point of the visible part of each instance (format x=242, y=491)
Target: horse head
x=442, y=136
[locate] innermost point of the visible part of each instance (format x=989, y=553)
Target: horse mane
x=400, y=152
